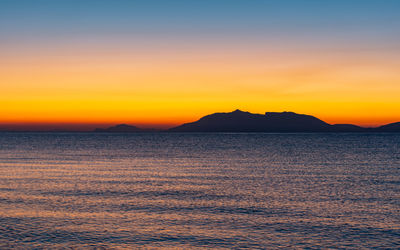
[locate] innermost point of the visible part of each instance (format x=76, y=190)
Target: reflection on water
x=199, y=190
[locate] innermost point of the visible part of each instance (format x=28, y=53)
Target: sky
x=82, y=64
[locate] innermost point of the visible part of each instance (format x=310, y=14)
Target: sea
x=199, y=190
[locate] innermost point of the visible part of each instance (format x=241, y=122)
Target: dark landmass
x=239, y=121
x=392, y=127
x=123, y=128
x=348, y=128
x=274, y=122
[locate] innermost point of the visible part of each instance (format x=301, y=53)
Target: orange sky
x=148, y=87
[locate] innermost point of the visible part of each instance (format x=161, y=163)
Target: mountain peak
x=284, y=113
x=124, y=126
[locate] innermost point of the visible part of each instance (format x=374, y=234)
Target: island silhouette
x=124, y=128
x=273, y=122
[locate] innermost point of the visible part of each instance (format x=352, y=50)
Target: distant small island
x=270, y=122
x=124, y=128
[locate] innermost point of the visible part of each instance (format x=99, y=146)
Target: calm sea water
x=199, y=190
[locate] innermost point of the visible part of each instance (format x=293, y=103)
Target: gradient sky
x=162, y=63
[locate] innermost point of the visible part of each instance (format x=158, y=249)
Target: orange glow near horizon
x=152, y=89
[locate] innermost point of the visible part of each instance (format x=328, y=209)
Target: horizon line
x=39, y=126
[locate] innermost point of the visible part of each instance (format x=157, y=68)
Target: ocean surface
x=199, y=190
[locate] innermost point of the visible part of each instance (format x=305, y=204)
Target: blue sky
x=375, y=20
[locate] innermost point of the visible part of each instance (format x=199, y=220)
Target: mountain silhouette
x=392, y=127
x=240, y=121
x=273, y=122
x=121, y=128
x=348, y=128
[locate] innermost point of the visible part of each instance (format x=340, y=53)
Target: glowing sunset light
x=165, y=64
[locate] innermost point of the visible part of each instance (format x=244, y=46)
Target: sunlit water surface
x=199, y=190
